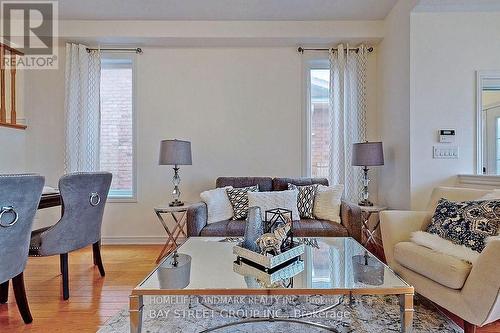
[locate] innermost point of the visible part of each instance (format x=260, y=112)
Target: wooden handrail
x=8, y=61
x=12, y=50
x=3, y=112
x=13, y=115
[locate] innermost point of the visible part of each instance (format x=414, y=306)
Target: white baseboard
x=116, y=240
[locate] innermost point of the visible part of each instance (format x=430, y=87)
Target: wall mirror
x=488, y=123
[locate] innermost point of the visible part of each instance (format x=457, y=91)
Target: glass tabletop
x=335, y=263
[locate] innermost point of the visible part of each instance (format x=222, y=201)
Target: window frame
x=319, y=60
x=481, y=75
x=134, y=196
x=497, y=146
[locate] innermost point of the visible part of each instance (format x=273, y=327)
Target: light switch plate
x=445, y=152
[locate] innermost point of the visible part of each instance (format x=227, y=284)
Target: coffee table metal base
x=273, y=320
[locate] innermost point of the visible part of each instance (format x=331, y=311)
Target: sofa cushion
x=281, y=184
x=265, y=183
x=318, y=228
x=302, y=228
x=441, y=268
x=229, y=228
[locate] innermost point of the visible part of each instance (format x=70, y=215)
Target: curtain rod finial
x=300, y=49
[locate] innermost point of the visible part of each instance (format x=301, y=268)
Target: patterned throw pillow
x=305, y=199
x=239, y=200
x=466, y=223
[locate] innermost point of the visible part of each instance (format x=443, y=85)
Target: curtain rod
x=137, y=50
x=302, y=49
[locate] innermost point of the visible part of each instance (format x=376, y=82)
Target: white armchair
x=470, y=292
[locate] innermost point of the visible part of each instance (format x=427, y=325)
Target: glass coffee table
x=329, y=266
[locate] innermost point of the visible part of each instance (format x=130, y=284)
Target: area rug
x=363, y=314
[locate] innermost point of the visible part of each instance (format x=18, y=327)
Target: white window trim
x=480, y=75
x=313, y=61
x=134, y=197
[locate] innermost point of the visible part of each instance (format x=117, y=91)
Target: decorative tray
x=268, y=262
x=281, y=274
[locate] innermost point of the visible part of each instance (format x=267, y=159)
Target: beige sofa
x=470, y=292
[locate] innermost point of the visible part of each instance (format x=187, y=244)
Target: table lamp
x=175, y=152
x=367, y=154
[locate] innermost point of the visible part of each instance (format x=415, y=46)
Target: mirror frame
x=480, y=76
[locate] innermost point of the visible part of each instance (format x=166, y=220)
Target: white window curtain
x=83, y=72
x=347, y=115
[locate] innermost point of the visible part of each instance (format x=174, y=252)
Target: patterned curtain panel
x=83, y=72
x=347, y=116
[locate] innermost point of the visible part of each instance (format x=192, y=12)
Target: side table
x=179, y=216
x=370, y=234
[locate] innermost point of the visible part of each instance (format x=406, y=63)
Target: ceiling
x=252, y=10
x=457, y=5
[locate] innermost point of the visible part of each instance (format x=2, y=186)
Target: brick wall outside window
x=116, y=154
x=320, y=140
x=319, y=92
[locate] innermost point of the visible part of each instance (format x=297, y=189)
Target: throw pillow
x=276, y=199
x=305, y=199
x=239, y=200
x=493, y=195
x=219, y=207
x=441, y=245
x=327, y=202
x=467, y=223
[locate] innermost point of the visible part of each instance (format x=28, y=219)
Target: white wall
x=394, y=106
x=240, y=106
x=12, y=150
x=222, y=33
x=447, y=49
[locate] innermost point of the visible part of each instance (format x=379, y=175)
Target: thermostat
x=447, y=135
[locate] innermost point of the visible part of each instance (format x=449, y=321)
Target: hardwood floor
x=93, y=300
x=490, y=328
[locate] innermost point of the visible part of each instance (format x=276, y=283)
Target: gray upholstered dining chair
x=19, y=199
x=83, y=197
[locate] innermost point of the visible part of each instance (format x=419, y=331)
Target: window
x=117, y=151
x=497, y=142
x=488, y=125
x=318, y=106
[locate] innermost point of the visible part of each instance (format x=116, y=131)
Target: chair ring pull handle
x=94, y=199
x=8, y=209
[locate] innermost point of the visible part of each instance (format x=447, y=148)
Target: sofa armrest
x=482, y=288
x=197, y=215
x=351, y=218
x=397, y=226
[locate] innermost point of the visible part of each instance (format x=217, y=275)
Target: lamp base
x=176, y=203
x=365, y=203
